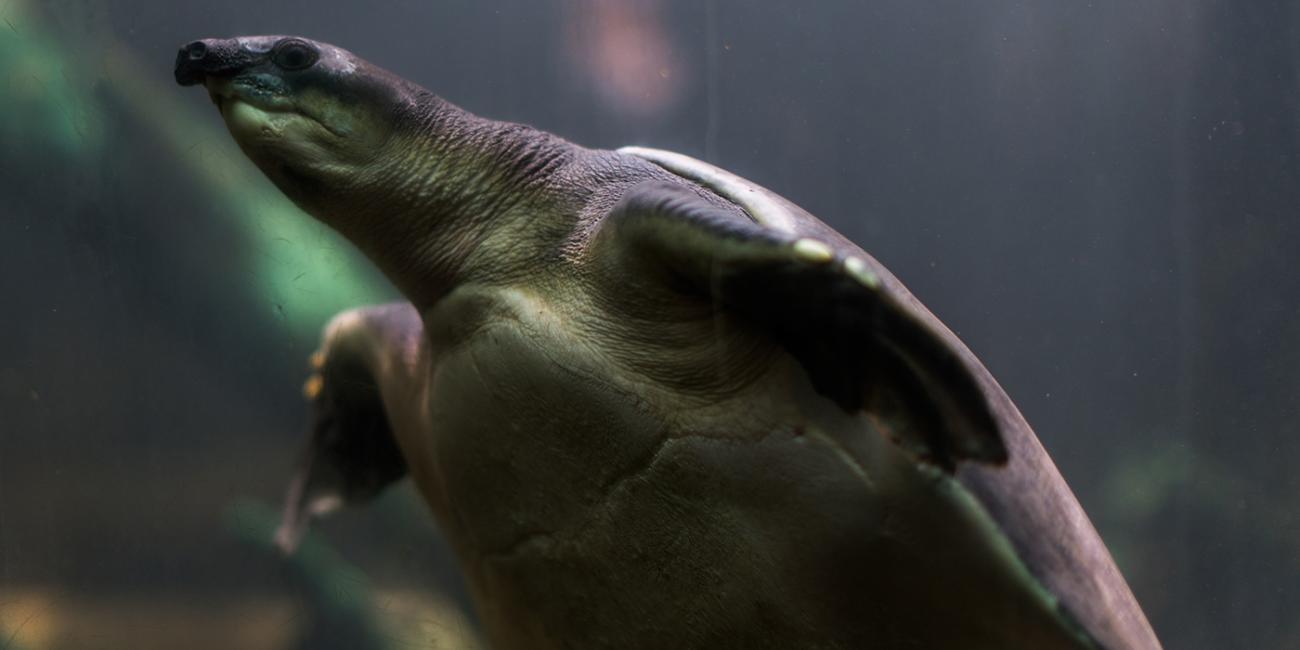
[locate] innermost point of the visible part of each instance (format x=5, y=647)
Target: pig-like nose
x=209, y=57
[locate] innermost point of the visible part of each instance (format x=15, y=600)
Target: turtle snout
x=209, y=57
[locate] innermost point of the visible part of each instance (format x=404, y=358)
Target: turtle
x=650, y=403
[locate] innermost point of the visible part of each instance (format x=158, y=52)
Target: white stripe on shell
x=749, y=197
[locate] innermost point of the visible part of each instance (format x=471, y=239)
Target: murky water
x=1099, y=198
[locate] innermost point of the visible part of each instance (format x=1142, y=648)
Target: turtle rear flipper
x=351, y=454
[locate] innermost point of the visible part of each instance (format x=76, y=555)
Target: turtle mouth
x=224, y=92
x=241, y=102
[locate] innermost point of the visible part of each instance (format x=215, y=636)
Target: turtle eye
x=294, y=55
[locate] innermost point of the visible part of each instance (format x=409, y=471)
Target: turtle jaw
x=270, y=126
x=229, y=94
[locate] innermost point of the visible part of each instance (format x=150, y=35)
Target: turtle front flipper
x=351, y=454
x=857, y=333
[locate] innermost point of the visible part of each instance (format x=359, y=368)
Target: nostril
x=209, y=57
x=196, y=50
x=196, y=60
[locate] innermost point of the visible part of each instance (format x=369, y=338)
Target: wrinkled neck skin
x=452, y=198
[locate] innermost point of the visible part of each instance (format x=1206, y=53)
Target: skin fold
x=650, y=404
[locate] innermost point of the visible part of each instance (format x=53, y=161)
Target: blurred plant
x=337, y=596
x=343, y=609
x=41, y=104
x=1143, y=487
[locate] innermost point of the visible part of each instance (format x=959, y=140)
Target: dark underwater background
x=1101, y=198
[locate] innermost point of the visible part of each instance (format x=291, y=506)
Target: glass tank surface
x=1098, y=199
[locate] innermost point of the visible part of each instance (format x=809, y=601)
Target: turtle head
x=414, y=181
x=312, y=116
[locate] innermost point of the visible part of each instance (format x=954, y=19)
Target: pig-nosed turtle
x=652, y=404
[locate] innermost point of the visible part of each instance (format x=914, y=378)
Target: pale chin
x=244, y=119
x=277, y=134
